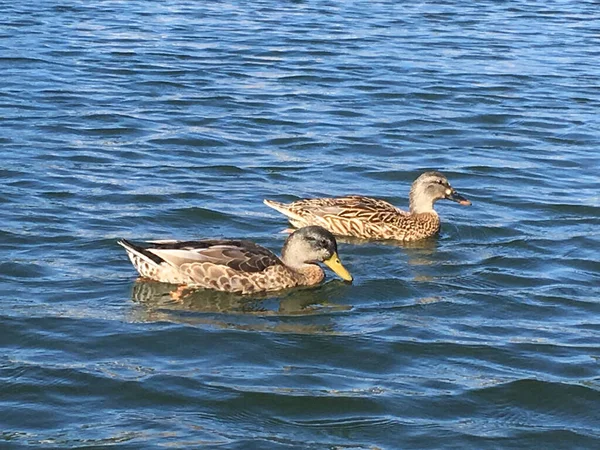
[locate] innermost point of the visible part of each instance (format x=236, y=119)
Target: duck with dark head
x=239, y=266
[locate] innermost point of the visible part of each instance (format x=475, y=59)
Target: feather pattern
x=371, y=218
x=236, y=265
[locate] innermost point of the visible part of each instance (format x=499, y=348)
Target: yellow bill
x=335, y=264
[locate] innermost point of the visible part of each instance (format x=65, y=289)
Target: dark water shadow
x=423, y=244
x=417, y=253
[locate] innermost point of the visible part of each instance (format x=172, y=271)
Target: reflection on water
x=192, y=307
x=419, y=253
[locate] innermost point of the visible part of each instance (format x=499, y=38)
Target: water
x=175, y=119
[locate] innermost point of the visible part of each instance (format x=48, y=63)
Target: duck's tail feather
x=294, y=218
x=144, y=261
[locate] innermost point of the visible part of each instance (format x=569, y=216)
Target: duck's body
x=370, y=218
x=237, y=265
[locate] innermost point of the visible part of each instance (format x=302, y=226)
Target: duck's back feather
x=359, y=216
x=239, y=255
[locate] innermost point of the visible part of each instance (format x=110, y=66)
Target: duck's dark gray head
x=310, y=245
x=429, y=188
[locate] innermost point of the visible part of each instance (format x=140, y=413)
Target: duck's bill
x=456, y=197
x=335, y=264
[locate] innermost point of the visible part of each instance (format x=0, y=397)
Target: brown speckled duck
x=370, y=218
x=239, y=266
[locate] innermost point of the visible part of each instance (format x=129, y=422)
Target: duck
x=371, y=218
x=239, y=266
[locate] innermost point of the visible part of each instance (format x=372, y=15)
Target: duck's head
x=309, y=245
x=429, y=188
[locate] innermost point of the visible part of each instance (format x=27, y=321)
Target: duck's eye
x=317, y=242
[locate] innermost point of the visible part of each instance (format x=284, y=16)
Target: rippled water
x=175, y=119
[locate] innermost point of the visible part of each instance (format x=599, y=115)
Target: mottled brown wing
x=367, y=203
x=350, y=206
x=239, y=255
x=370, y=215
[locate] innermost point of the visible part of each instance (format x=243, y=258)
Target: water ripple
x=175, y=120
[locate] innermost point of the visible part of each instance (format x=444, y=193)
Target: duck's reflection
x=423, y=244
x=418, y=253
x=157, y=302
x=421, y=253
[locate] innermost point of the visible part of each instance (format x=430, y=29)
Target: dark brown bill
x=456, y=197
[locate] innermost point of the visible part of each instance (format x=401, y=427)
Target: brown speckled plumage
x=370, y=218
x=236, y=265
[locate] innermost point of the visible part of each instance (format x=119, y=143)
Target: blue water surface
x=175, y=119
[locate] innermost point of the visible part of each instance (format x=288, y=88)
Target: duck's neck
x=306, y=273
x=310, y=274
x=420, y=202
